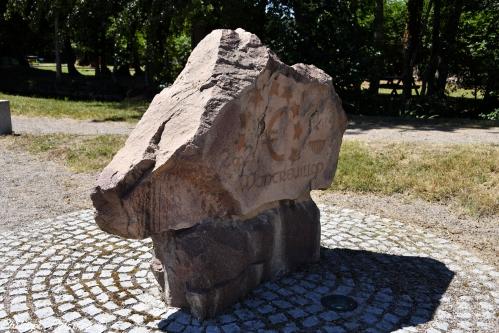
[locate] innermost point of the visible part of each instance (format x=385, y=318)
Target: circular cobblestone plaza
x=66, y=275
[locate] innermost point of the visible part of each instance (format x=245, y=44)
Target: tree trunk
x=150, y=50
x=133, y=50
x=491, y=90
x=425, y=24
x=157, y=63
x=199, y=29
x=354, y=5
x=414, y=9
x=101, y=69
x=448, y=44
x=58, y=65
x=105, y=71
x=97, y=65
x=70, y=58
x=136, y=62
x=378, y=43
x=429, y=76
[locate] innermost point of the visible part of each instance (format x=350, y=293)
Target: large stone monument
x=218, y=172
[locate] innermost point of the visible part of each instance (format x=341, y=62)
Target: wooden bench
x=395, y=83
x=32, y=59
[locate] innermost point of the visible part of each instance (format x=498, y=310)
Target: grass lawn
x=466, y=176
x=92, y=110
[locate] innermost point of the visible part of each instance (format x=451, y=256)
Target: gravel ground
x=31, y=189
x=44, y=125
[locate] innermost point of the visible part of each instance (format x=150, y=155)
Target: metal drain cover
x=339, y=303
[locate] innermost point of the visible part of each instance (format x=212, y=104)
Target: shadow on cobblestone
x=392, y=292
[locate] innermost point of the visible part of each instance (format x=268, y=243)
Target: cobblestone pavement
x=66, y=275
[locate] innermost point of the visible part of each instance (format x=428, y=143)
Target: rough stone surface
x=237, y=130
x=219, y=172
x=5, y=121
x=404, y=279
x=218, y=262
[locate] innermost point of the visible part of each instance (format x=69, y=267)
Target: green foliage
x=344, y=38
x=478, y=62
x=494, y=115
x=179, y=48
x=127, y=33
x=395, y=22
x=324, y=33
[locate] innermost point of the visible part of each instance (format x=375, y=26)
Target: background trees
x=356, y=42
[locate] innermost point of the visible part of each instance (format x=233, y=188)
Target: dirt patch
x=478, y=235
x=33, y=189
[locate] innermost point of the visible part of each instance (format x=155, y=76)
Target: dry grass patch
x=465, y=176
x=79, y=153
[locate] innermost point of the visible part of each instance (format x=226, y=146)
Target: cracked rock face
x=220, y=168
x=238, y=129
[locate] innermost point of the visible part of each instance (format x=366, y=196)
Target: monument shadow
x=390, y=291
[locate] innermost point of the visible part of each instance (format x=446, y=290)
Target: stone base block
x=214, y=264
x=5, y=121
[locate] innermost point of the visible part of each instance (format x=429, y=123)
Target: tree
x=13, y=25
x=159, y=14
x=477, y=49
x=69, y=56
x=429, y=76
x=126, y=30
x=205, y=15
x=57, y=47
x=378, y=36
x=412, y=43
x=37, y=12
x=324, y=33
x=453, y=13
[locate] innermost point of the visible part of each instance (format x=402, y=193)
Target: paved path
x=65, y=275
x=45, y=125
x=361, y=128
x=424, y=131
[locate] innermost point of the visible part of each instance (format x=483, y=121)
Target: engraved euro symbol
x=271, y=136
